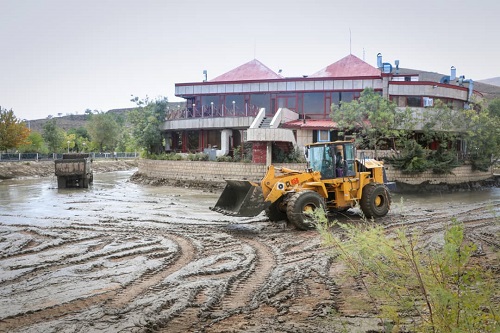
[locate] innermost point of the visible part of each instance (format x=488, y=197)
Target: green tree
x=483, y=135
x=372, y=116
x=443, y=124
x=13, y=132
x=69, y=142
x=146, y=121
x=35, y=144
x=81, y=136
x=104, y=131
x=53, y=135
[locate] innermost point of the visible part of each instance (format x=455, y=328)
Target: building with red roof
x=252, y=103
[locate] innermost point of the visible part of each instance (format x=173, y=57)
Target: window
x=335, y=98
x=346, y=97
x=261, y=100
x=323, y=136
x=314, y=103
x=399, y=100
x=414, y=101
x=236, y=108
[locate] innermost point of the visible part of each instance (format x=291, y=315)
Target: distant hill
x=493, y=81
x=78, y=120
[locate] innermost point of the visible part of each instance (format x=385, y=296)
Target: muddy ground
x=129, y=257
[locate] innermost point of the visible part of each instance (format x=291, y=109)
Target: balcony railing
x=213, y=111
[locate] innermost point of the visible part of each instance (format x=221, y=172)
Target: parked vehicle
x=74, y=170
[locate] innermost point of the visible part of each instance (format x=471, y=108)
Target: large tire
x=300, y=206
x=375, y=201
x=274, y=213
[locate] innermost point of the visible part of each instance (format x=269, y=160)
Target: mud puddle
x=123, y=257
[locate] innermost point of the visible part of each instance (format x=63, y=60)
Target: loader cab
x=332, y=159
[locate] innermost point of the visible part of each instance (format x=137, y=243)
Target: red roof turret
x=349, y=66
x=252, y=70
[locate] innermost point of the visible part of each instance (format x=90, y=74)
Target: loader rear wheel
x=274, y=212
x=375, y=201
x=300, y=209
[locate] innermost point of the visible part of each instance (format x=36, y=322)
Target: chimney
x=453, y=75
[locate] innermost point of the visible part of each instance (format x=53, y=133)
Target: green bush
x=292, y=156
x=411, y=159
x=162, y=157
x=198, y=157
x=224, y=159
x=243, y=154
x=202, y=157
x=443, y=161
x=427, y=290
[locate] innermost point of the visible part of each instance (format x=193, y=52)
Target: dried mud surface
x=136, y=258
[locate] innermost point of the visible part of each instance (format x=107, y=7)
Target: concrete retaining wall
x=218, y=171
x=208, y=171
x=461, y=175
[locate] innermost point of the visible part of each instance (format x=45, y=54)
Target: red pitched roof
x=311, y=124
x=348, y=66
x=252, y=70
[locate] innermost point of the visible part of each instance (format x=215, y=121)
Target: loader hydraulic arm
x=274, y=186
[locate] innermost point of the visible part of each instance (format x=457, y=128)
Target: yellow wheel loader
x=334, y=180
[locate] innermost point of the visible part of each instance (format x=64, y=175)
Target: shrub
x=292, y=156
x=163, y=157
x=202, y=157
x=224, y=159
x=440, y=291
x=243, y=154
x=443, y=161
x=411, y=159
x=198, y=157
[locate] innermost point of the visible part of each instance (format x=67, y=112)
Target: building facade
x=252, y=103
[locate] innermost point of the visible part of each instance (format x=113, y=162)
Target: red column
x=259, y=150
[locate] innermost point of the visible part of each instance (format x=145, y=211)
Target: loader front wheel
x=375, y=200
x=300, y=209
x=275, y=212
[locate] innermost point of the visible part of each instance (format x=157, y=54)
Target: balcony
x=210, y=117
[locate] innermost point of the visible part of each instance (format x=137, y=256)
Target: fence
x=48, y=157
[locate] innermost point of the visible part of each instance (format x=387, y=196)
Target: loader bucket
x=241, y=198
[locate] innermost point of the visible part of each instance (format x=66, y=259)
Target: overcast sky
x=66, y=56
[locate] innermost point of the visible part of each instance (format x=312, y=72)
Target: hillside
x=493, y=81
x=77, y=120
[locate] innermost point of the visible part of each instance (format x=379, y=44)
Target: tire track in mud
x=98, y=297
x=243, y=286
x=186, y=252
x=467, y=216
x=241, y=291
x=51, y=313
x=297, y=281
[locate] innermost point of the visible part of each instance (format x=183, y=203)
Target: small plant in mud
x=416, y=289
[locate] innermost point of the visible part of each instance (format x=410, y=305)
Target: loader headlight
x=280, y=186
